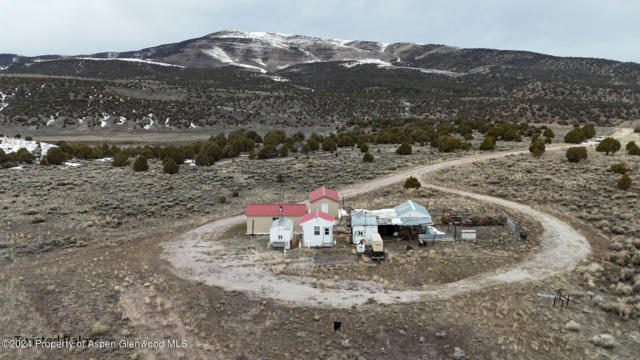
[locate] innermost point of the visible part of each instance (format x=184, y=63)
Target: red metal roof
x=316, y=213
x=323, y=192
x=274, y=209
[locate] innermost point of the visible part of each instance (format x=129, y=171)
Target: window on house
x=280, y=237
x=326, y=231
x=316, y=230
x=275, y=218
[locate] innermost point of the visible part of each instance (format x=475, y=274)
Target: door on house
x=326, y=237
x=325, y=208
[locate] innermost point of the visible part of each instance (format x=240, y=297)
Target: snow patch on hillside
x=3, y=102
x=378, y=62
x=151, y=62
x=387, y=65
x=121, y=120
x=220, y=55
x=277, y=78
x=103, y=121
x=9, y=145
x=51, y=121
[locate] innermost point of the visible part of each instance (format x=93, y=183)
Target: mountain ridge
x=272, y=51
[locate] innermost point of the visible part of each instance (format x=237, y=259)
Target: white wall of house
x=317, y=232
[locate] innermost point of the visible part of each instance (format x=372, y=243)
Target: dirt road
x=198, y=257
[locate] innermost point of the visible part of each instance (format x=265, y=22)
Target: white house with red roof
x=325, y=200
x=317, y=229
x=261, y=216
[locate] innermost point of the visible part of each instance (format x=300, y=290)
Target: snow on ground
x=3, y=103
x=277, y=78
x=105, y=159
x=20, y=167
x=131, y=60
x=190, y=162
x=192, y=125
x=378, y=62
x=103, y=121
x=51, y=121
x=81, y=121
x=148, y=126
x=72, y=164
x=219, y=54
x=121, y=120
x=387, y=65
x=9, y=145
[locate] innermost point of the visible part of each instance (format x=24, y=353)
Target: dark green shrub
x=174, y=152
x=203, y=158
x=489, y=143
x=141, y=164
x=252, y=155
x=576, y=153
x=624, y=182
x=3, y=156
x=170, y=166
x=367, y=157
x=632, y=148
x=55, y=156
x=619, y=168
x=608, y=145
x=328, y=145
x=280, y=178
x=364, y=147
x=120, y=159
x=589, y=130
x=313, y=144
x=83, y=151
x=636, y=130
x=284, y=151
x=575, y=136
x=24, y=156
x=548, y=133
x=66, y=148
x=412, y=183
x=404, y=149
x=44, y=161
x=28, y=138
x=268, y=151
x=537, y=147
x=235, y=193
x=222, y=199
x=147, y=152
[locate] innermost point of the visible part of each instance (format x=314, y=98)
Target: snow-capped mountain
x=260, y=51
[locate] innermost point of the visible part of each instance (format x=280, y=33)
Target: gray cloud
x=590, y=28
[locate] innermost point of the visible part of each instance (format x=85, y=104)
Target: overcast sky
x=590, y=28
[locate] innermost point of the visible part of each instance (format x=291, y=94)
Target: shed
x=325, y=200
x=260, y=216
x=412, y=214
x=363, y=225
x=317, y=229
x=281, y=233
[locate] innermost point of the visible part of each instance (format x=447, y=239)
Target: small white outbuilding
x=281, y=233
x=317, y=229
x=363, y=225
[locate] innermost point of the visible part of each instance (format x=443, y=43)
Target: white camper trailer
x=281, y=233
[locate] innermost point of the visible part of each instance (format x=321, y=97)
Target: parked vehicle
x=599, y=138
x=377, y=248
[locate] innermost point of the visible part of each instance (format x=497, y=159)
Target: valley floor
x=100, y=265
